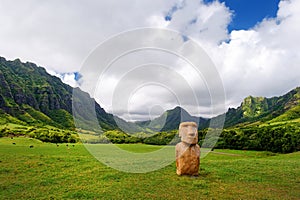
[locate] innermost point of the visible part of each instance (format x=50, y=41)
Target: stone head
x=188, y=132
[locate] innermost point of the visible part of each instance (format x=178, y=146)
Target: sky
x=253, y=44
x=247, y=13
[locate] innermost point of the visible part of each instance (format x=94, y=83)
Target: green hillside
x=251, y=110
x=36, y=104
x=255, y=109
x=30, y=96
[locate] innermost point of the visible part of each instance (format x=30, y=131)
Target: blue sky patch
x=247, y=13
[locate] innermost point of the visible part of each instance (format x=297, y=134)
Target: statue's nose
x=191, y=134
x=191, y=131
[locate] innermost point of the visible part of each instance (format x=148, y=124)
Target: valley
x=35, y=104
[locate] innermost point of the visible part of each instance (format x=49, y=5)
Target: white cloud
x=262, y=61
x=60, y=34
x=206, y=23
x=68, y=78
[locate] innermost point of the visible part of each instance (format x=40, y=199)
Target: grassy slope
x=47, y=171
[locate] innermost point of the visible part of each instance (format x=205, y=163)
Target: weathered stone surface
x=188, y=132
x=188, y=151
x=187, y=159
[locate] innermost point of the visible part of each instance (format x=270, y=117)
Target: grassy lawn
x=47, y=171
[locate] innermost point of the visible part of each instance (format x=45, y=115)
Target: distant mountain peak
x=254, y=106
x=171, y=119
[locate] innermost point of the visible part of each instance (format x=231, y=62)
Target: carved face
x=188, y=131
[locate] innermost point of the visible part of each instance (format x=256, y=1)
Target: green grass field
x=47, y=171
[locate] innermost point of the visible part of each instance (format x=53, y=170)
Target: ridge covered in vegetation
x=36, y=104
x=34, y=100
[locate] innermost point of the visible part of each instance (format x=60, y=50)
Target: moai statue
x=188, y=150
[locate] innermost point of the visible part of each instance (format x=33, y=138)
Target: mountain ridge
x=30, y=95
x=252, y=109
x=262, y=108
x=171, y=119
